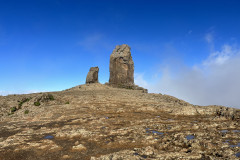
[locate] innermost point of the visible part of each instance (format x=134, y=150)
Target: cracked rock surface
x=99, y=122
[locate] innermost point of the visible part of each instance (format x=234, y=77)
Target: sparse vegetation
x=37, y=103
x=50, y=96
x=23, y=101
x=12, y=110
x=151, y=113
x=129, y=87
x=67, y=102
x=26, y=111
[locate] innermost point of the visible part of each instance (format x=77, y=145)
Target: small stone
x=65, y=156
x=76, y=143
x=148, y=151
x=79, y=147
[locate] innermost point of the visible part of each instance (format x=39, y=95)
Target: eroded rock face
x=92, y=76
x=121, y=66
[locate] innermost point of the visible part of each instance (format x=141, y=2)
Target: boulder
x=121, y=67
x=92, y=76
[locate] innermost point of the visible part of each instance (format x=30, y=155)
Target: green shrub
x=67, y=102
x=50, y=96
x=20, y=104
x=26, y=111
x=23, y=101
x=12, y=110
x=37, y=103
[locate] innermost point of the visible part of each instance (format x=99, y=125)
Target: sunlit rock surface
x=92, y=76
x=121, y=66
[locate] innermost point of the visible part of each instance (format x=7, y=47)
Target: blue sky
x=188, y=49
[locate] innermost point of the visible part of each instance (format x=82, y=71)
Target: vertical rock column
x=121, y=67
x=92, y=76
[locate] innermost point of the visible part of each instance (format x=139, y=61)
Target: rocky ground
x=99, y=122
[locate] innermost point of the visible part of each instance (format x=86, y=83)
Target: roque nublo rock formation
x=92, y=76
x=121, y=70
x=121, y=66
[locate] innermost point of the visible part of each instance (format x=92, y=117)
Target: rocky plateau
x=99, y=122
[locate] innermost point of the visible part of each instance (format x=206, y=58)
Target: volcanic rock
x=100, y=122
x=121, y=66
x=92, y=76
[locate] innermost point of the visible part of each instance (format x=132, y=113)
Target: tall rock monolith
x=92, y=76
x=121, y=67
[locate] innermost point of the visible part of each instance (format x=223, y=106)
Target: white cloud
x=221, y=57
x=215, y=81
x=5, y=93
x=95, y=42
x=90, y=40
x=209, y=37
x=138, y=78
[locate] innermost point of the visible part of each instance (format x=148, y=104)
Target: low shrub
x=26, y=111
x=67, y=102
x=23, y=101
x=50, y=96
x=37, y=103
x=12, y=110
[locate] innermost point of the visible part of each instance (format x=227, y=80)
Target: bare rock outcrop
x=92, y=76
x=121, y=66
x=122, y=69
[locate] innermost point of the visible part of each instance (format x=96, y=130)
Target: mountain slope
x=100, y=122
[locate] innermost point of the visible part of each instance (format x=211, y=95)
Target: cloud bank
x=5, y=93
x=215, y=81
